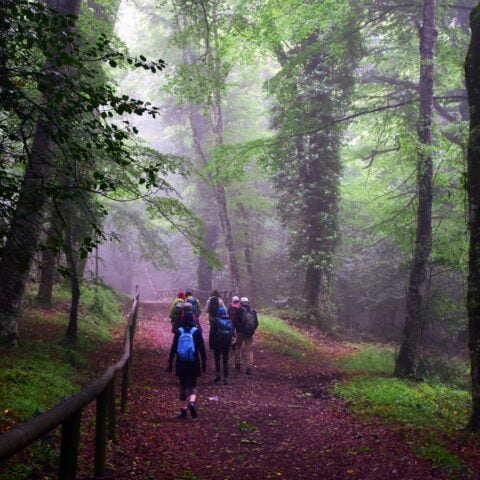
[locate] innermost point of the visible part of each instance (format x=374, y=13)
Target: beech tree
x=407, y=360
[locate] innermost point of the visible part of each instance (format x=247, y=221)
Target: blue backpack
x=186, y=345
x=224, y=330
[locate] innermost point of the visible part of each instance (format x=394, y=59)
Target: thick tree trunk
x=48, y=267
x=407, y=361
x=472, y=73
x=23, y=236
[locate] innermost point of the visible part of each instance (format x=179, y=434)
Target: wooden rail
x=68, y=414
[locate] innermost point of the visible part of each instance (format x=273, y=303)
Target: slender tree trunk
x=23, y=236
x=472, y=74
x=72, y=262
x=204, y=271
x=48, y=267
x=407, y=361
x=248, y=250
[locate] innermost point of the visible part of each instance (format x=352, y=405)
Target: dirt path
x=278, y=423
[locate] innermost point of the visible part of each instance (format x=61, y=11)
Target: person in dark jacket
x=221, y=332
x=188, y=371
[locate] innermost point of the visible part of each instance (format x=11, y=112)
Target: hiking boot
x=193, y=410
x=217, y=379
x=238, y=367
x=248, y=371
x=183, y=413
x=225, y=381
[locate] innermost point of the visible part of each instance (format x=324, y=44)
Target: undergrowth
x=44, y=369
x=285, y=339
x=431, y=408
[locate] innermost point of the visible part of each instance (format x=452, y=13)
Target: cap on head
x=222, y=311
x=181, y=295
x=235, y=299
x=188, y=293
x=244, y=300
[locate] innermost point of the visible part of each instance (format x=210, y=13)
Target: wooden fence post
x=125, y=377
x=111, y=411
x=100, y=434
x=69, y=447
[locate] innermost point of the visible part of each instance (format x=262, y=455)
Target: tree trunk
x=472, y=74
x=248, y=250
x=407, y=361
x=72, y=262
x=23, y=236
x=48, y=268
x=204, y=270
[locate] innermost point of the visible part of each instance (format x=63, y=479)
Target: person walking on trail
x=212, y=306
x=196, y=309
x=188, y=308
x=235, y=312
x=189, y=349
x=245, y=330
x=221, y=332
x=176, y=311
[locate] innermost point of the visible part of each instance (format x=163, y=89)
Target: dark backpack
x=248, y=322
x=224, y=331
x=213, y=306
x=177, y=315
x=194, y=302
x=186, y=345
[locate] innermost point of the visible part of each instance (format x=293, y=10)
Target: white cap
x=235, y=299
x=244, y=300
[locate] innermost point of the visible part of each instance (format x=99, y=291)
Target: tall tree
x=472, y=74
x=24, y=233
x=407, y=360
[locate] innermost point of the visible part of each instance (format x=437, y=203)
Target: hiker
x=188, y=308
x=189, y=349
x=211, y=307
x=245, y=329
x=221, y=332
x=176, y=311
x=235, y=312
x=197, y=310
x=213, y=303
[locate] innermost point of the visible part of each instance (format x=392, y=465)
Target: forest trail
x=278, y=423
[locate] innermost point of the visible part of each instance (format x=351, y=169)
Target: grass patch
x=44, y=369
x=285, y=339
x=419, y=405
x=368, y=359
x=425, y=408
x=442, y=457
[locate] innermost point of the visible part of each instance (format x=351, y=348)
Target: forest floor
x=280, y=422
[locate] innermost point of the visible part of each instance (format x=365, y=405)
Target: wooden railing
x=68, y=414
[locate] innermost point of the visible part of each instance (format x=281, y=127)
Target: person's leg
x=238, y=351
x=248, y=353
x=216, y=354
x=183, y=397
x=192, y=396
x=225, y=354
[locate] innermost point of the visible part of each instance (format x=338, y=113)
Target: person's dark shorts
x=188, y=386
